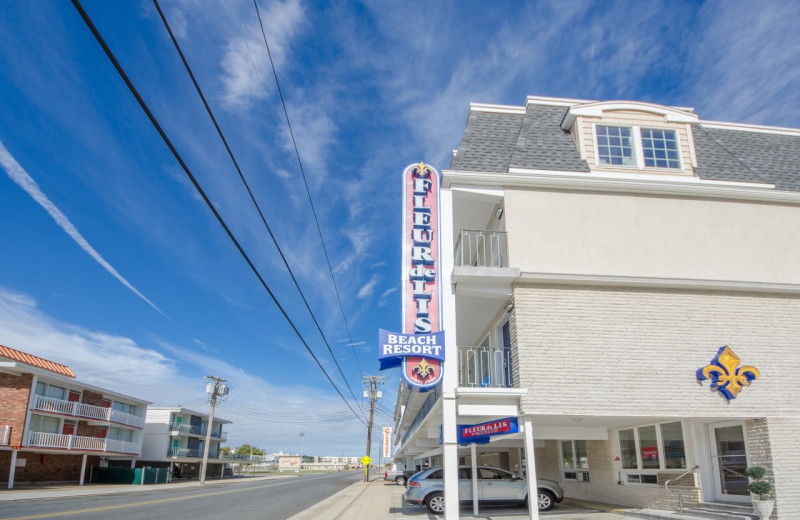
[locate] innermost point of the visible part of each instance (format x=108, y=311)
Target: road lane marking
x=139, y=504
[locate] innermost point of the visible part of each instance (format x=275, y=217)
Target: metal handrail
x=680, y=496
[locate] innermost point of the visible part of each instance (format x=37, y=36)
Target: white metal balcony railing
x=484, y=367
x=481, y=248
x=74, y=442
x=195, y=453
x=196, y=430
x=86, y=411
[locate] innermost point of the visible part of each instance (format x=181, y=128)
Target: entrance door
x=729, y=461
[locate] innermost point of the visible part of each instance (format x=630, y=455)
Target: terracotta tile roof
x=35, y=361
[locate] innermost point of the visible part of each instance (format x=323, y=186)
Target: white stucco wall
x=648, y=236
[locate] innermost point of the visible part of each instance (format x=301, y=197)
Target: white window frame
x=581, y=474
x=625, y=473
x=638, y=153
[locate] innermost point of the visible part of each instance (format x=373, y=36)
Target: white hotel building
x=596, y=255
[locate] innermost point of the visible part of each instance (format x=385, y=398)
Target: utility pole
x=373, y=395
x=214, y=388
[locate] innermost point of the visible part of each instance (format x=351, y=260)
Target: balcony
x=86, y=411
x=190, y=429
x=76, y=443
x=186, y=452
x=484, y=367
x=481, y=248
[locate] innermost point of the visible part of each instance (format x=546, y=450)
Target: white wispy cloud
x=368, y=288
x=247, y=73
x=743, y=63
x=384, y=299
x=18, y=174
x=174, y=374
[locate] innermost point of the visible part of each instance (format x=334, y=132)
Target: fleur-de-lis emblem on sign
x=725, y=373
x=422, y=170
x=424, y=370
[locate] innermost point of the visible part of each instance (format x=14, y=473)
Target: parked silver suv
x=495, y=486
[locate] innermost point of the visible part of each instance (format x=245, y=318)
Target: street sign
x=365, y=460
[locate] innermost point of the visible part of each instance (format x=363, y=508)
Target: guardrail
x=481, y=248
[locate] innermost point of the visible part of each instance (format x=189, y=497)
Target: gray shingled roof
x=488, y=142
x=735, y=155
x=496, y=142
x=542, y=145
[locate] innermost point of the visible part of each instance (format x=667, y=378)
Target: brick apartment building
x=622, y=278
x=56, y=428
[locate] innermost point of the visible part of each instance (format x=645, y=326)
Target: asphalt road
x=272, y=499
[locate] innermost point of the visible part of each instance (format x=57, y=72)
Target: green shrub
x=758, y=486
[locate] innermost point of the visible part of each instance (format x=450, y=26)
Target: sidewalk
x=381, y=500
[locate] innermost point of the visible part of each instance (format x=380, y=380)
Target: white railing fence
x=76, y=409
x=75, y=442
x=484, y=367
x=481, y=248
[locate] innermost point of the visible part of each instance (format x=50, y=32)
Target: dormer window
x=615, y=146
x=637, y=147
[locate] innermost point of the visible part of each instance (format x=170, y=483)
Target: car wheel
x=400, y=481
x=435, y=503
x=545, y=499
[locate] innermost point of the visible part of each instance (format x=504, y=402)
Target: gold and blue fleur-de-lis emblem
x=421, y=170
x=726, y=375
x=423, y=370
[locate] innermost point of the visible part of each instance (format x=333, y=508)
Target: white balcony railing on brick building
x=86, y=411
x=75, y=442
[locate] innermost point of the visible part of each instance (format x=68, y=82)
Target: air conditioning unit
x=5, y=434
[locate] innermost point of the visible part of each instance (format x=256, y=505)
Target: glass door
x=729, y=460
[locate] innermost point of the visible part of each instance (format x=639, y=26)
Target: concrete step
x=703, y=511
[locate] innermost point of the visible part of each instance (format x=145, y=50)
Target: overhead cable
x=200, y=190
x=308, y=191
x=249, y=191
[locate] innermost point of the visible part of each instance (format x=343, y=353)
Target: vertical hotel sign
x=387, y=442
x=419, y=348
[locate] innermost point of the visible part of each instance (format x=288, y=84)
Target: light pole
x=300, y=464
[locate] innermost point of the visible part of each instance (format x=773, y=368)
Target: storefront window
x=627, y=448
x=648, y=449
x=575, y=461
x=649, y=444
x=674, y=453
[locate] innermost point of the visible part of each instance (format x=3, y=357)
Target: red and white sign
x=387, y=442
x=421, y=264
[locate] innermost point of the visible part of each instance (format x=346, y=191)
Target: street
x=268, y=499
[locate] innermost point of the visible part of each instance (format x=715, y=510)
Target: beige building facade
x=604, y=253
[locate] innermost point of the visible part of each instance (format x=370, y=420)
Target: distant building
x=55, y=428
x=291, y=462
x=175, y=438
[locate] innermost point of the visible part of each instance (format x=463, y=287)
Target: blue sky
x=114, y=265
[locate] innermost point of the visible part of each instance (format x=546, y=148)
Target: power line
x=305, y=181
x=249, y=191
x=187, y=171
